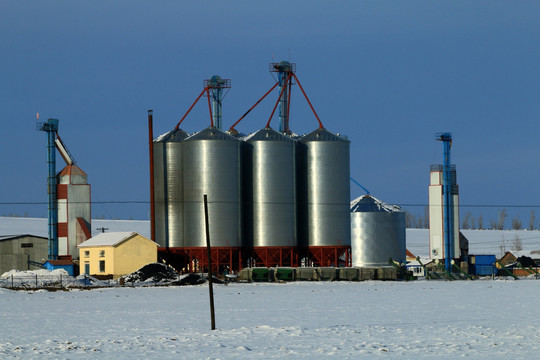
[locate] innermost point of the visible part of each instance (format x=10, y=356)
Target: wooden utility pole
x=210, y=288
x=152, y=193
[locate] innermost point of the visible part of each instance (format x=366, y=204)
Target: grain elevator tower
x=69, y=198
x=444, y=208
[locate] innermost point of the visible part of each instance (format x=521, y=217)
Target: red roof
x=59, y=262
x=82, y=223
x=71, y=170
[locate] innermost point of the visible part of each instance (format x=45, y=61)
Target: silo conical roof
x=267, y=134
x=212, y=133
x=72, y=174
x=175, y=135
x=368, y=203
x=70, y=170
x=322, y=135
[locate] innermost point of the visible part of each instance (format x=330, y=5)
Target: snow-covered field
x=311, y=320
x=423, y=319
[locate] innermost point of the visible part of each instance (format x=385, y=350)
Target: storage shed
x=60, y=264
x=111, y=255
x=18, y=252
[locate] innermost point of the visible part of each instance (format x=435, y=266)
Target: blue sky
x=389, y=75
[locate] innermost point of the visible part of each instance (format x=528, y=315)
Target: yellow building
x=116, y=254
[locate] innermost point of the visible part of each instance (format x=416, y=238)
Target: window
x=87, y=253
x=101, y=253
x=27, y=245
x=101, y=265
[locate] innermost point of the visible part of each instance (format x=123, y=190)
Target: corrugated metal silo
x=211, y=166
x=272, y=171
x=168, y=189
x=378, y=232
x=325, y=190
x=74, y=209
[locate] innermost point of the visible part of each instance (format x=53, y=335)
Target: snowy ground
x=311, y=320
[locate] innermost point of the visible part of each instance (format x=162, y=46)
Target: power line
x=259, y=202
x=481, y=205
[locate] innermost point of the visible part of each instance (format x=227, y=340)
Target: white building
x=436, y=213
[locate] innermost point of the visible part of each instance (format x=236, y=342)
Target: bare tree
x=501, y=249
x=480, y=222
x=426, y=217
x=465, y=224
x=492, y=224
x=516, y=223
x=473, y=223
x=518, y=246
x=502, y=218
x=531, y=220
x=408, y=220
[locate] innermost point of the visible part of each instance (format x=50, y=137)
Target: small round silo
x=324, y=189
x=211, y=165
x=272, y=175
x=168, y=189
x=378, y=232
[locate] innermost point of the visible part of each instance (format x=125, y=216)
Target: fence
x=60, y=282
x=38, y=281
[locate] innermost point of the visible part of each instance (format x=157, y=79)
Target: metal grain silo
x=74, y=209
x=168, y=189
x=211, y=166
x=272, y=175
x=378, y=232
x=325, y=193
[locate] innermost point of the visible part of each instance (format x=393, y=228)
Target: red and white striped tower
x=74, y=209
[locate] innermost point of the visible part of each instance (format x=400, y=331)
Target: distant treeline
x=421, y=221
x=468, y=221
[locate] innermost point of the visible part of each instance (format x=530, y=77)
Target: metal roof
x=367, y=203
x=267, y=134
x=13, y=237
x=71, y=170
x=59, y=262
x=175, y=135
x=212, y=133
x=322, y=135
x=108, y=239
